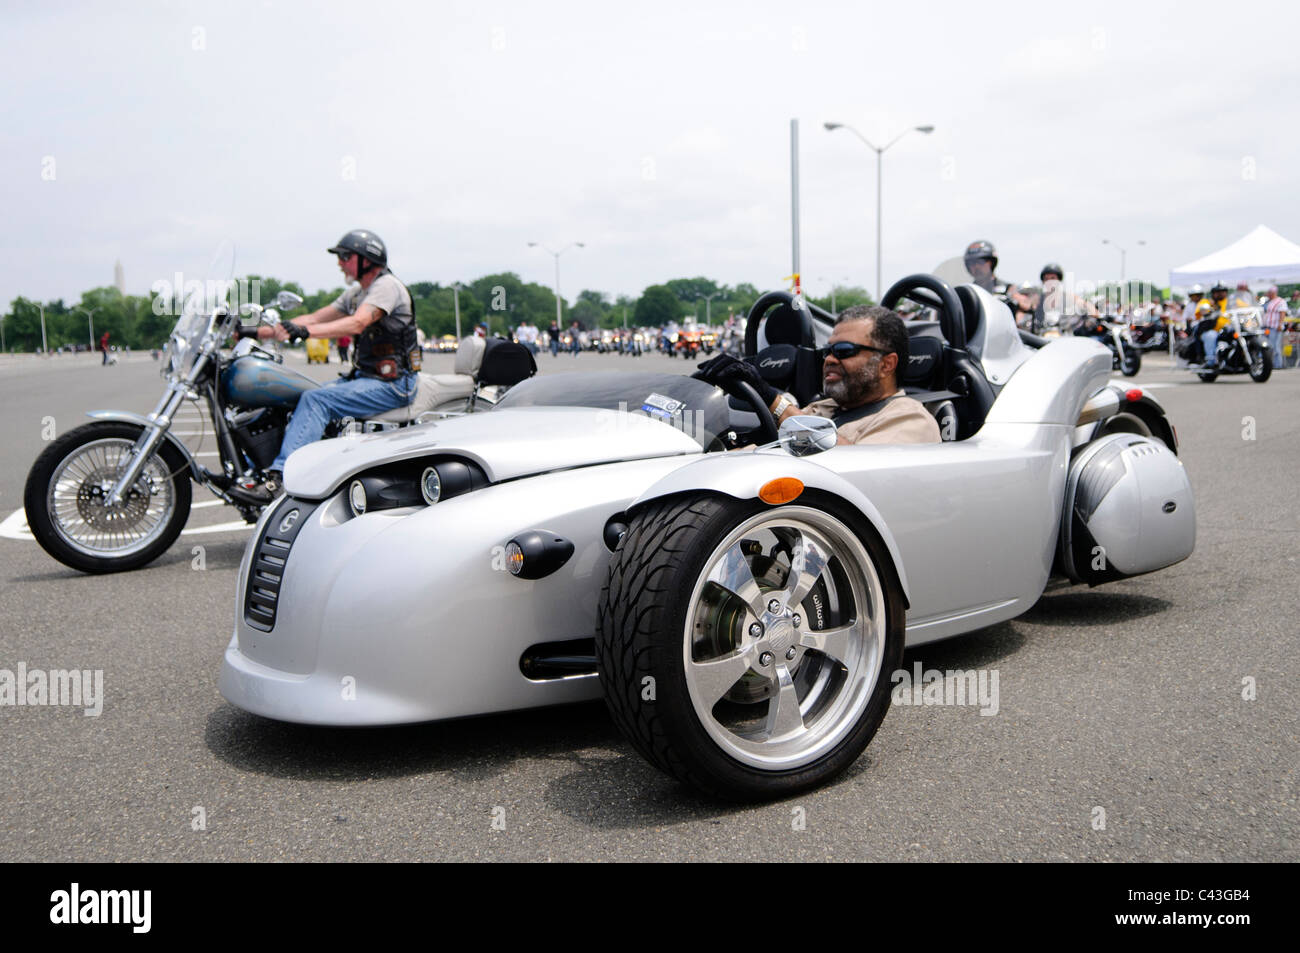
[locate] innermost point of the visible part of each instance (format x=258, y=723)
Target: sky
x=656, y=134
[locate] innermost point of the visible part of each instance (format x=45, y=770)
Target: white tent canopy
x=1263, y=255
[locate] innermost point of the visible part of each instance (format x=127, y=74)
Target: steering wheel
x=930, y=292
x=766, y=420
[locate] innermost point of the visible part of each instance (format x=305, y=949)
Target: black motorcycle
x=1242, y=347
x=1112, y=332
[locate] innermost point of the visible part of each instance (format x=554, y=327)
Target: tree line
x=501, y=301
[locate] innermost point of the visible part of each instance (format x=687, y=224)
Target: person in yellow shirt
x=1209, y=309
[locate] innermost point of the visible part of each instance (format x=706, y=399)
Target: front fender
x=741, y=475
x=143, y=421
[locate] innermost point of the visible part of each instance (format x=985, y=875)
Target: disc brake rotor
x=94, y=490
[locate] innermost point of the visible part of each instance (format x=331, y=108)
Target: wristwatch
x=783, y=403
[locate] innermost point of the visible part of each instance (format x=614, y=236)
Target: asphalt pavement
x=1152, y=719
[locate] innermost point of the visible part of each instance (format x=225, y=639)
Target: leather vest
x=386, y=352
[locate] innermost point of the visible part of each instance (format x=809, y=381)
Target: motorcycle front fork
x=145, y=447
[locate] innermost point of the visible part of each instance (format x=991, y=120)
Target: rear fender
x=741, y=475
x=143, y=421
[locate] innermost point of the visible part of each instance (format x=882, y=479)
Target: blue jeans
x=1210, y=341
x=360, y=398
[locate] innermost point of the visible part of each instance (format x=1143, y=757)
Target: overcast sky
x=656, y=133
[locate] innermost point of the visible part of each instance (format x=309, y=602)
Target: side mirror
x=287, y=300
x=805, y=435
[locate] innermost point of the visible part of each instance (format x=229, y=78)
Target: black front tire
x=38, y=492
x=1131, y=362
x=649, y=627
x=1261, y=367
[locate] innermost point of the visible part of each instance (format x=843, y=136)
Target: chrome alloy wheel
x=784, y=638
x=82, y=482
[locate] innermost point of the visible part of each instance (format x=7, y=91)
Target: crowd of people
x=1050, y=306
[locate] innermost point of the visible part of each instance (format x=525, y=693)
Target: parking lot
x=1152, y=719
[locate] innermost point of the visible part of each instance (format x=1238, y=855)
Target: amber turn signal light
x=780, y=490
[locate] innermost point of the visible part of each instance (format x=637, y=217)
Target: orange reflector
x=780, y=490
x=1135, y=394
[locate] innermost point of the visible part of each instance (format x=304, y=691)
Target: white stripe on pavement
x=15, y=525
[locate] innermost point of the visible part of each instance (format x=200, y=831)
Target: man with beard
x=859, y=378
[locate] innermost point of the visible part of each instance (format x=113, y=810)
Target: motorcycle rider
x=981, y=260
x=860, y=379
x=1210, y=336
x=378, y=312
x=1194, y=296
x=1073, y=313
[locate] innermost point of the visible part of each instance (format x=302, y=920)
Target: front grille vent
x=266, y=571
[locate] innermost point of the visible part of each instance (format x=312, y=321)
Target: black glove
x=726, y=372
x=296, y=331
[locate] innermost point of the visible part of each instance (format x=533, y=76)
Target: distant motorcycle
x=1152, y=336
x=1110, y=331
x=1242, y=347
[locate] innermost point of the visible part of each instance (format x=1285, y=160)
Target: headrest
x=784, y=326
x=469, y=354
x=776, y=362
x=924, y=355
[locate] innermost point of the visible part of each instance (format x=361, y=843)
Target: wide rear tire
x=746, y=649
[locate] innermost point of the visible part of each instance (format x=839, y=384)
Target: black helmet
x=364, y=243
x=1051, y=268
x=1219, y=286
x=976, y=251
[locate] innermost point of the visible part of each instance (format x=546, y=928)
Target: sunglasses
x=345, y=256
x=843, y=350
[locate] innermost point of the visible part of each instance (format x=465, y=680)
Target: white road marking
x=15, y=524
x=231, y=527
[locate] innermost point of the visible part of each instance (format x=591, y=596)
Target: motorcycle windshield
x=202, y=298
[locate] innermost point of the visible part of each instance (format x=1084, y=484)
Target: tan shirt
x=902, y=420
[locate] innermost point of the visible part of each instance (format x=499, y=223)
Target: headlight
x=431, y=486
x=357, y=497
x=411, y=483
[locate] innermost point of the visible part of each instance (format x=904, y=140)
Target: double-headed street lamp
x=880, y=151
x=559, y=317
x=834, y=310
x=1122, y=255
x=90, y=318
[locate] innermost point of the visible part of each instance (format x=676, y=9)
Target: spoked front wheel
x=745, y=648
x=67, y=489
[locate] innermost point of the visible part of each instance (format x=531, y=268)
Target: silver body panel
x=408, y=615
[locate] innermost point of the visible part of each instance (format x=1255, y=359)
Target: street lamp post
x=1122, y=255
x=455, y=304
x=559, y=317
x=90, y=317
x=708, y=301
x=880, y=152
x=45, y=350
x=834, y=310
